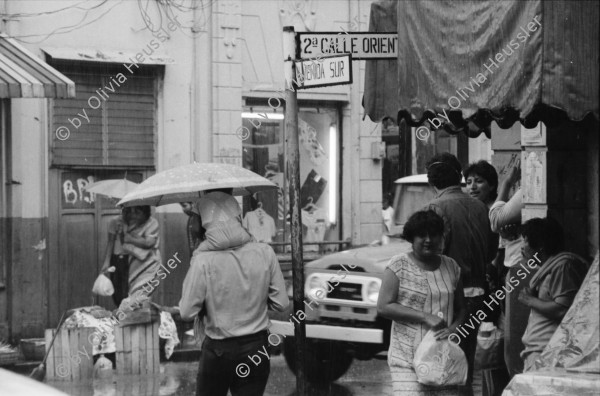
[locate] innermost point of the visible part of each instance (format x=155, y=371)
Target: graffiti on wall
x=74, y=195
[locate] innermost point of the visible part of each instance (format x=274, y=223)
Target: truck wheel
x=325, y=361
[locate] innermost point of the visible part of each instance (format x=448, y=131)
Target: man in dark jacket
x=468, y=239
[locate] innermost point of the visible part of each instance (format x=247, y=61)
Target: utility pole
x=293, y=175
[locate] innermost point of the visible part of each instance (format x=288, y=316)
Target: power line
x=34, y=14
x=68, y=29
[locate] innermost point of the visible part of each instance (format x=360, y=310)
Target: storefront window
x=264, y=153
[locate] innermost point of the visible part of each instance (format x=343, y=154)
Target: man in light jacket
x=231, y=283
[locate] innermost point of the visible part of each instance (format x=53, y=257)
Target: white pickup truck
x=345, y=285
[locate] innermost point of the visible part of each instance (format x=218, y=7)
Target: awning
x=23, y=75
x=381, y=76
x=475, y=62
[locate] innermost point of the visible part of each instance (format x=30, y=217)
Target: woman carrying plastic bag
x=422, y=293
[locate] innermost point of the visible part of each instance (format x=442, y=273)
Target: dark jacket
x=468, y=238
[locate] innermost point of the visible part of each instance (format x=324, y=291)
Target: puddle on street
x=174, y=379
x=364, y=378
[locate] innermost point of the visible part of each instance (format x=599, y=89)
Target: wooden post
x=293, y=173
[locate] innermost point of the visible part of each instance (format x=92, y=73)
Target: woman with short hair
x=421, y=291
x=482, y=182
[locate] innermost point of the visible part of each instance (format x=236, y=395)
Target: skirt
x=404, y=383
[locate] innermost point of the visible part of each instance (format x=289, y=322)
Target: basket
x=8, y=358
x=33, y=348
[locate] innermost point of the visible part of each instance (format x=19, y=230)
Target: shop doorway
x=78, y=236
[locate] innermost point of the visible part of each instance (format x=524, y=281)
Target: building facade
x=160, y=85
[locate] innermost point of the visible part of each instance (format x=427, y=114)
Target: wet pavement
x=179, y=378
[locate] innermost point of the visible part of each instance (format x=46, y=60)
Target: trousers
x=227, y=365
x=469, y=344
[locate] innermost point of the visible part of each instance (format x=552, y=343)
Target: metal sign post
x=293, y=174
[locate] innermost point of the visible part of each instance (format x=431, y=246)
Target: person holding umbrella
x=231, y=283
x=114, y=255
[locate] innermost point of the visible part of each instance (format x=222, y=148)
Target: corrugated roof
x=23, y=75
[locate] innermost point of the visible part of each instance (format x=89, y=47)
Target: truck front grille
x=346, y=291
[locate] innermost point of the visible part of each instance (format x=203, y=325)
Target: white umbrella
x=113, y=188
x=185, y=183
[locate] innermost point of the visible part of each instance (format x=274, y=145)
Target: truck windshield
x=410, y=198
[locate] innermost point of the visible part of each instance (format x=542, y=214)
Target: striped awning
x=464, y=64
x=23, y=75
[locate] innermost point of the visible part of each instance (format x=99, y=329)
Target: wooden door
x=79, y=233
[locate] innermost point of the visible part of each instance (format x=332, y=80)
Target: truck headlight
x=373, y=292
x=313, y=286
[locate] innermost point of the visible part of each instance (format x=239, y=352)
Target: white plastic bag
x=103, y=286
x=490, y=347
x=103, y=368
x=440, y=363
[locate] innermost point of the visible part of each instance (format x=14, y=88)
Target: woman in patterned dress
x=141, y=243
x=421, y=290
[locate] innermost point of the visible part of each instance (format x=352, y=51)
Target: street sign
x=361, y=45
x=327, y=71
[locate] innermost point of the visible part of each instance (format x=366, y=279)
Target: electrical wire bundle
x=164, y=11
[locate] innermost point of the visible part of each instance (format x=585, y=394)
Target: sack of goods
x=490, y=347
x=440, y=362
x=103, y=286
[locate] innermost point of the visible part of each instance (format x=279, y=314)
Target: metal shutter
x=120, y=131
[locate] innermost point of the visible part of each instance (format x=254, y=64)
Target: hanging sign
x=362, y=45
x=327, y=71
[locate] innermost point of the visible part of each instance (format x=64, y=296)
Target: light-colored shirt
x=316, y=226
x=388, y=218
x=431, y=292
x=260, y=225
x=512, y=251
x=561, y=276
x=504, y=213
x=235, y=287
